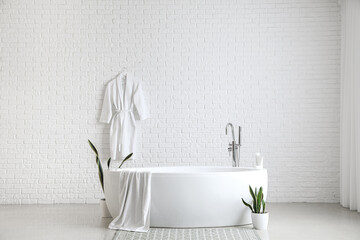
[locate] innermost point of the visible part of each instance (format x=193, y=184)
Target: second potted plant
x=260, y=218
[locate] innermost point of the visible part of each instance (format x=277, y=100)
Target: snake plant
x=99, y=164
x=258, y=201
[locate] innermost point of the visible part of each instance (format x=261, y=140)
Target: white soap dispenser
x=259, y=161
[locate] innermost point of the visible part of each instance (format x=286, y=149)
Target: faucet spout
x=232, y=130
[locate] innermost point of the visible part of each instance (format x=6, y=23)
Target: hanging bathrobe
x=122, y=95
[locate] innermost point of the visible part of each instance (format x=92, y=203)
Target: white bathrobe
x=121, y=97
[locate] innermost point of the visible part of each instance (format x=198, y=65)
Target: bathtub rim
x=181, y=170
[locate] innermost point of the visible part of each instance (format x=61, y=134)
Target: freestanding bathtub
x=186, y=197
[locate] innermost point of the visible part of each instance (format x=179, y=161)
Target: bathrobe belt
x=118, y=114
x=123, y=110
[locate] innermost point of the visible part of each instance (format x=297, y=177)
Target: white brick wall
x=271, y=66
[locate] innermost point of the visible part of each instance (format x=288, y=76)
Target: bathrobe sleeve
x=140, y=103
x=107, y=109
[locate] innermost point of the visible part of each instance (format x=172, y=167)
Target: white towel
x=134, y=201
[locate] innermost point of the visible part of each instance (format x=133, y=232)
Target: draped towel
x=134, y=201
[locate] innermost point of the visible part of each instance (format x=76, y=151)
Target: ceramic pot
x=260, y=220
x=104, y=209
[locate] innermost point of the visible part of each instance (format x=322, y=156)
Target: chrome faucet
x=234, y=148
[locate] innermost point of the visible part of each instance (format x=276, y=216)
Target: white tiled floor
x=80, y=221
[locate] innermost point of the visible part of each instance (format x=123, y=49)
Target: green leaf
x=253, y=197
x=101, y=175
x=263, y=203
x=259, y=200
x=255, y=201
x=127, y=157
x=108, y=163
x=248, y=205
x=93, y=147
x=252, y=193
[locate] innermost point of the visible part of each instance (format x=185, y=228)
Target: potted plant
x=104, y=210
x=259, y=217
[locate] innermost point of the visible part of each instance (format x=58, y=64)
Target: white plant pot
x=104, y=209
x=260, y=220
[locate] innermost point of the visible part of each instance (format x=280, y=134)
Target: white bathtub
x=185, y=197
